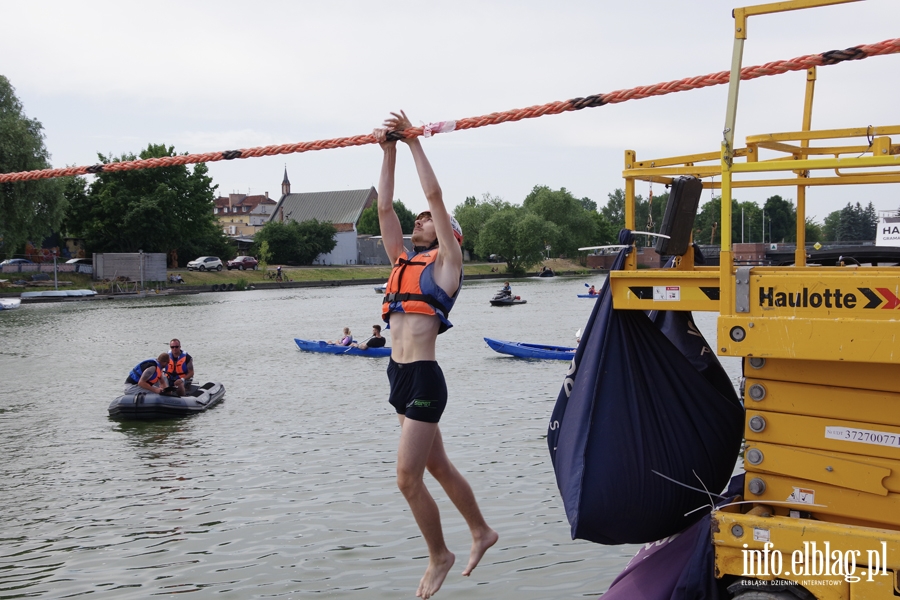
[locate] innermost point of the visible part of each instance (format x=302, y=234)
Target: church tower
x=285, y=184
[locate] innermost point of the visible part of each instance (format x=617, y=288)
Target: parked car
x=80, y=261
x=15, y=261
x=243, y=262
x=205, y=263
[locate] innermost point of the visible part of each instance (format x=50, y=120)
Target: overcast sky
x=111, y=77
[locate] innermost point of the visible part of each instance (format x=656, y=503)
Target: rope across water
x=832, y=57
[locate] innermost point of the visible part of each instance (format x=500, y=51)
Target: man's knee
x=408, y=481
x=440, y=469
x=406, y=484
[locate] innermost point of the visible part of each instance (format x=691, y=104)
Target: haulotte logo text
x=816, y=561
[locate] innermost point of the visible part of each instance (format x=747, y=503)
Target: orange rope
x=553, y=108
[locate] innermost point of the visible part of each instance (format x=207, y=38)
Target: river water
x=285, y=490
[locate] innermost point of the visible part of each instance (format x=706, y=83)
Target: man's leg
x=460, y=493
x=416, y=439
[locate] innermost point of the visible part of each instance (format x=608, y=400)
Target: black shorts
x=418, y=390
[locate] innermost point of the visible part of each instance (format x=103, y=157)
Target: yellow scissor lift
x=821, y=357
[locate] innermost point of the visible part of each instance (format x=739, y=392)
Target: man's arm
x=189, y=365
x=391, y=232
x=144, y=381
x=449, y=261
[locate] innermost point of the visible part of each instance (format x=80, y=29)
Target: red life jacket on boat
x=411, y=289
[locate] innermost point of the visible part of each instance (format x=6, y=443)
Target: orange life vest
x=411, y=289
x=135, y=375
x=178, y=367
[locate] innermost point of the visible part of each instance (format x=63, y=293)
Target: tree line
x=547, y=223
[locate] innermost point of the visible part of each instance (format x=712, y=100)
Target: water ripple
x=287, y=489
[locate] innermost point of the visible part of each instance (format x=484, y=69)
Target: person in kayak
x=376, y=341
x=420, y=293
x=346, y=338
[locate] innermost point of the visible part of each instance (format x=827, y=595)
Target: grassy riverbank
x=294, y=274
x=345, y=273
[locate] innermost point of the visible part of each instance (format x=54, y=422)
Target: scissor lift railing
x=821, y=352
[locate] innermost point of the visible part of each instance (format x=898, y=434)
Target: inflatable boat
x=147, y=405
x=325, y=347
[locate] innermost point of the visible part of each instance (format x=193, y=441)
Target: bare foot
x=479, y=547
x=434, y=575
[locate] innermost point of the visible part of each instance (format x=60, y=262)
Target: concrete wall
x=110, y=265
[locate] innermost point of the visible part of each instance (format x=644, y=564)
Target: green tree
x=831, y=227
x=368, y=221
x=78, y=206
x=296, y=243
x=154, y=210
x=781, y=220
x=746, y=219
x=588, y=204
x=29, y=210
x=472, y=216
x=614, y=211
x=264, y=254
x=575, y=226
x=814, y=231
x=607, y=233
x=870, y=222
x=282, y=240
x=852, y=225
x=708, y=221
x=316, y=237
x=614, y=214
x=517, y=235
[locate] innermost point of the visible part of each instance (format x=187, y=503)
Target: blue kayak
x=523, y=350
x=594, y=296
x=325, y=347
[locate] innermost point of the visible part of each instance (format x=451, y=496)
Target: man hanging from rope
x=420, y=292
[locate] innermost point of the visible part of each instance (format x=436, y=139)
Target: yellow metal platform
x=821, y=352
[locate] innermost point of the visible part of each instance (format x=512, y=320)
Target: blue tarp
x=644, y=400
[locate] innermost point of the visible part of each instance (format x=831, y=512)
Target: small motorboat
x=523, y=350
x=502, y=298
x=9, y=303
x=380, y=289
x=147, y=405
x=546, y=272
x=326, y=348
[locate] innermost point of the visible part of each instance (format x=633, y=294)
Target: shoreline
x=199, y=289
